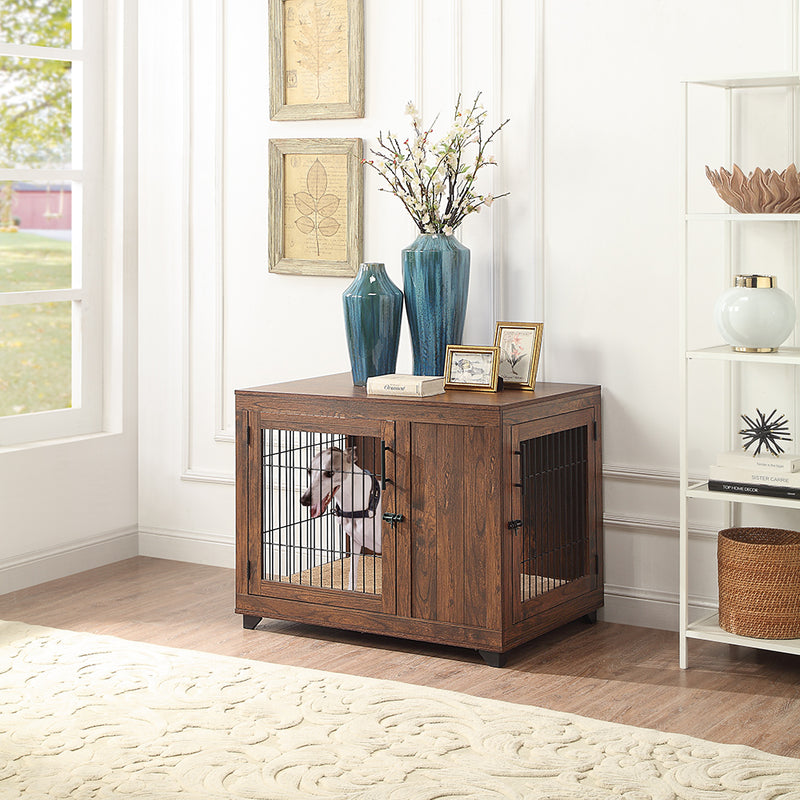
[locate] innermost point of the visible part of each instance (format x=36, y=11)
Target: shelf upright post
x=684, y=385
x=731, y=387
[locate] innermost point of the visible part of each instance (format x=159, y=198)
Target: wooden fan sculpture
x=760, y=192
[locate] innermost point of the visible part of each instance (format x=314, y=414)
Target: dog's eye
x=328, y=473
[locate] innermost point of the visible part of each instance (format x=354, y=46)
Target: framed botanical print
x=519, y=344
x=315, y=206
x=316, y=61
x=471, y=367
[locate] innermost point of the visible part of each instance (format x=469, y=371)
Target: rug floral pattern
x=85, y=716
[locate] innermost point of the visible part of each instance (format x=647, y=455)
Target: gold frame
x=352, y=37
x=453, y=349
x=279, y=149
x=529, y=382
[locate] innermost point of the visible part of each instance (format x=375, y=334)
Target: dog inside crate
x=322, y=510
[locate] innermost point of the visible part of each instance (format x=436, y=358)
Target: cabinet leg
x=590, y=618
x=249, y=621
x=493, y=659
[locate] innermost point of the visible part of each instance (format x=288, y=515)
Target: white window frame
x=86, y=174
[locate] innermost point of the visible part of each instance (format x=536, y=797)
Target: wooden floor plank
x=606, y=671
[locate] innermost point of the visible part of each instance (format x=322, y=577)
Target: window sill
x=57, y=442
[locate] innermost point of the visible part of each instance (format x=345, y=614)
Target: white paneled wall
x=587, y=241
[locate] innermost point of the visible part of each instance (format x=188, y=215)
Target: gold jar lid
x=755, y=281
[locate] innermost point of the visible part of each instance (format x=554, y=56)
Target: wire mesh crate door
x=321, y=522
x=554, y=478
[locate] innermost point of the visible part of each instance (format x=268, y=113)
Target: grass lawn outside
x=35, y=338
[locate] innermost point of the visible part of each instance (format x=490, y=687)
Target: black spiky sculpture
x=766, y=431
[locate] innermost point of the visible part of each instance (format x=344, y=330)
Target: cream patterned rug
x=85, y=716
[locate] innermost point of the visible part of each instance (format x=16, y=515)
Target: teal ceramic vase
x=373, y=309
x=436, y=285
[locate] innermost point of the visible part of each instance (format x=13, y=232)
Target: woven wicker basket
x=759, y=582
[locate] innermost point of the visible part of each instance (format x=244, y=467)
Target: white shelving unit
x=693, y=491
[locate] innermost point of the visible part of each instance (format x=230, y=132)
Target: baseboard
x=49, y=564
x=623, y=604
x=211, y=549
x=649, y=609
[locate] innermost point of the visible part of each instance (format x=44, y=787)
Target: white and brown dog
x=334, y=475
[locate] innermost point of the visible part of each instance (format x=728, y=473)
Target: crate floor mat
x=334, y=575
x=87, y=716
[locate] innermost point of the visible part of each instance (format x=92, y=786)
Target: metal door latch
x=393, y=519
x=514, y=524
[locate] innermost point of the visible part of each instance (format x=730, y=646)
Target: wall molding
x=627, y=605
x=626, y=472
x=51, y=563
x=199, y=476
x=419, y=86
x=211, y=549
x=185, y=228
x=659, y=526
x=498, y=215
x=221, y=433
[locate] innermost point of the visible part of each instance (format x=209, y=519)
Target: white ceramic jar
x=754, y=315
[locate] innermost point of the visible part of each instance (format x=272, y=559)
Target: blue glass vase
x=436, y=284
x=373, y=309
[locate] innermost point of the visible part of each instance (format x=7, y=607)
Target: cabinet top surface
x=340, y=386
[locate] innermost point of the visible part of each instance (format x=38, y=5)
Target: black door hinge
x=514, y=524
x=393, y=519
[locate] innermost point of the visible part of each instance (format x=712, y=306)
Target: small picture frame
x=519, y=344
x=316, y=65
x=315, y=206
x=471, y=367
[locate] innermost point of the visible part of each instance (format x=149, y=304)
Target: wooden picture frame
x=520, y=344
x=316, y=189
x=471, y=367
x=316, y=65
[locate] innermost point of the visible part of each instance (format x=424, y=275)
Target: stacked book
x=405, y=385
x=742, y=473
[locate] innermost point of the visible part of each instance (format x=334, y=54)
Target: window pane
x=35, y=113
x=36, y=248
x=46, y=23
x=35, y=357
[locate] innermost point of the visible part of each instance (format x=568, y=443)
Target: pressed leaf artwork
x=316, y=51
x=315, y=206
x=316, y=186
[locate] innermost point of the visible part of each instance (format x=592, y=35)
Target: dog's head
x=325, y=476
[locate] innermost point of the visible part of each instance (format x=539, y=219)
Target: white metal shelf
x=760, y=81
x=709, y=630
x=700, y=491
x=735, y=216
x=724, y=352
x=693, y=490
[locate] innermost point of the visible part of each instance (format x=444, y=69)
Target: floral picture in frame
x=519, y=344
x=471, y=367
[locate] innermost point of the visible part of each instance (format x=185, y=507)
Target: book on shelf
x=784, y=462
x=754, y=489
x=755, y=476
x=405, y=385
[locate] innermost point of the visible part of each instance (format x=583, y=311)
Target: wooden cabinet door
x=448, y=547
x=555, y=511
x=298, y=547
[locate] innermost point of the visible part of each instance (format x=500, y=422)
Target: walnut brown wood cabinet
x=490, y=528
